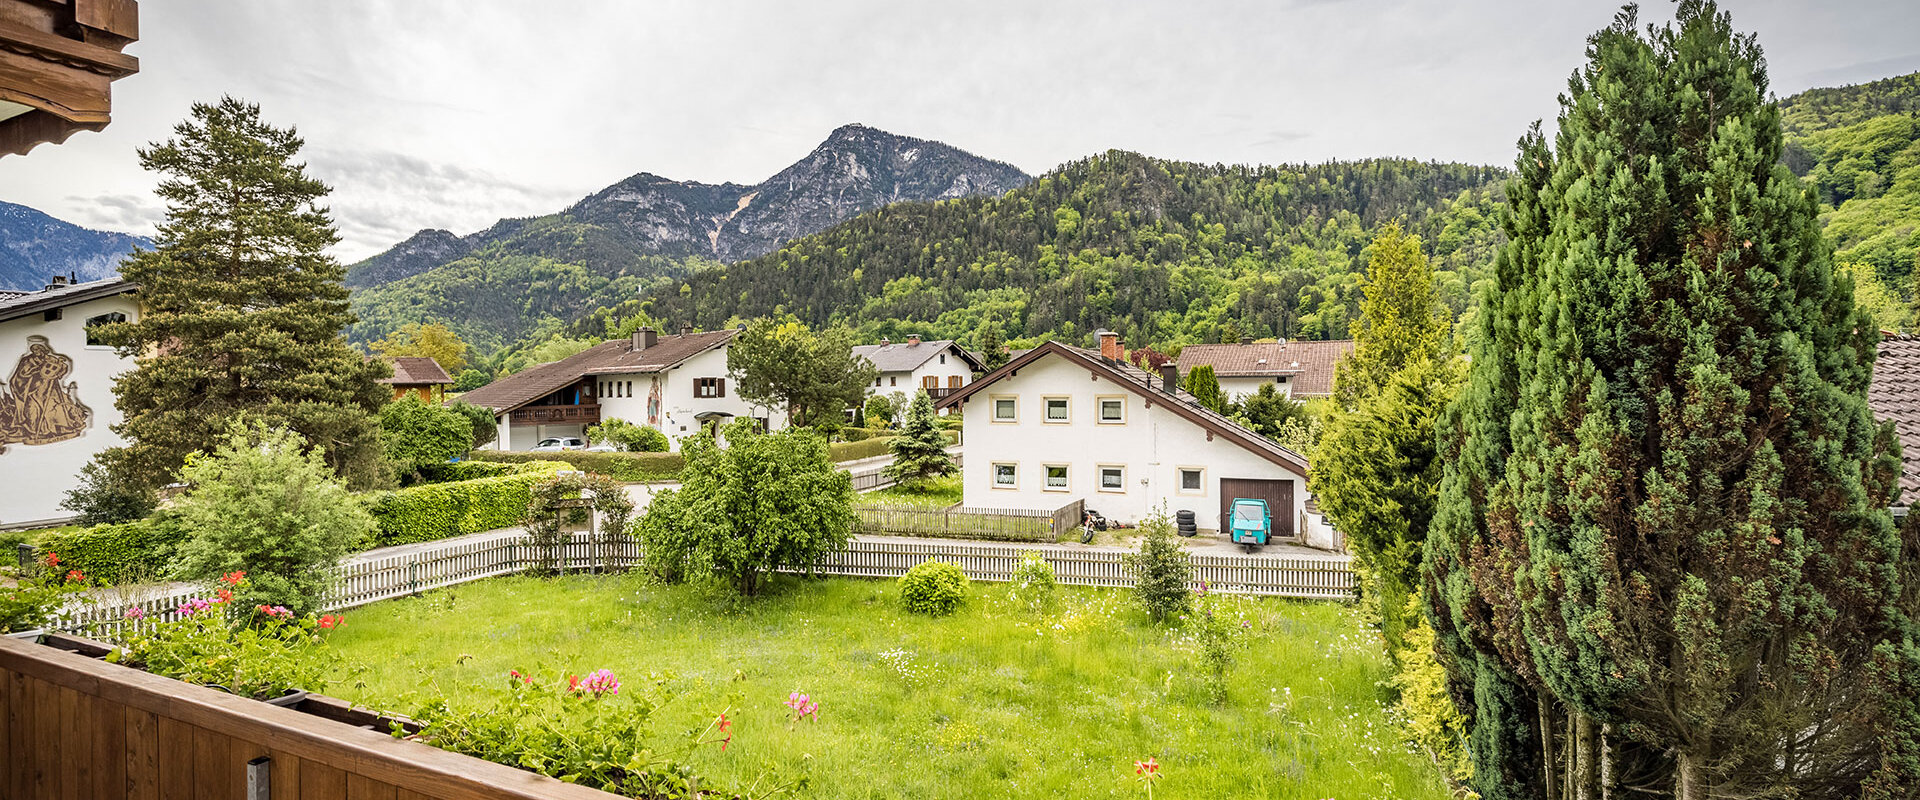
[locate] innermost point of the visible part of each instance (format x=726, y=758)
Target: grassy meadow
x=994, y=701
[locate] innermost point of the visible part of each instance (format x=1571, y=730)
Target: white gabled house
x=678, y=384
x=939, y=367
x=1062, y=423
x=56, y=403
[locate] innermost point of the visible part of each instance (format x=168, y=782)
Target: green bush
x=1032, y=583
x=862, y=434
x=416, y=433
x=629, y=437
x=854, y=451
x=1161, y=571
x=933, y=587
x=128, y=552
x=467, y=470
x=618, y=466
x=439, y=510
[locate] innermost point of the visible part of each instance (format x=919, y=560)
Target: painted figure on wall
x=37, y=405
x=653, y=403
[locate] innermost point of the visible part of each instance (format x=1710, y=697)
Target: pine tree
x=1401, y=320
x=993, y=350
x=1206, y=388
x=1662, y=557
x=242, y=308
x=920, y=451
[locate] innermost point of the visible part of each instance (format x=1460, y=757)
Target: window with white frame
x=1056, y=477
x=93, y=327
x=1193, y=480
x=1006, y=476
x=1113, y=410
x=1057, y=409
x=1113, y=478
x=1006, y=408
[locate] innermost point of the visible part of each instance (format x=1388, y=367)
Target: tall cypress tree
x=1401, y=321
x=242, y=308
x=1662, y=557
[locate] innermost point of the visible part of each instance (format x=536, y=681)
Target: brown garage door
x=1278, y=494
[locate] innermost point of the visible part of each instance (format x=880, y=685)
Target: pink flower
x=803, y=706
x=134, y=612
x=599, y=683
x=194, y=606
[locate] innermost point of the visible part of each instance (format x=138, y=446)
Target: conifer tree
x=1401, y=320
x=1205, y=388
x=242, y=308
x=993, y=349
x=1662, y=559
x=920, y=451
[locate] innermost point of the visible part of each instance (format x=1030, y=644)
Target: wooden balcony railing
x=585, y=414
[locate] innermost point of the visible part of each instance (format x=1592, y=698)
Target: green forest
x=1166, y=252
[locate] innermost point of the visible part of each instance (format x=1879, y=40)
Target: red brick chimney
x=1110, y=345
x=913, y=338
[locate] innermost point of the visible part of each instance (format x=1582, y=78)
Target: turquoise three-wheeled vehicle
x=1251, y=523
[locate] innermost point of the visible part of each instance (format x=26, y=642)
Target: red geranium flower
x=75, y=576
x=225, y=595
x=51, y=559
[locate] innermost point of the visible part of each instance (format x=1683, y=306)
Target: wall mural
x=35, y=406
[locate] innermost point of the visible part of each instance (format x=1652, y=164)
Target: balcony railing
x=937, y=393
x=585, y=414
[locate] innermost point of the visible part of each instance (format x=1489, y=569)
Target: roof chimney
x=1246, y=340
x=645, y=337
x=56, y=282
x=1169, y=378
x=1109, y=345
x=913, y=338
x=884, y=341
x=686, y=329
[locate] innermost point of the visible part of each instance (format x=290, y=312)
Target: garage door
x=1278, y=494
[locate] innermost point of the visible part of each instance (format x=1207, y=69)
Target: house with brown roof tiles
x=1297, y=369
x=1060, y=423
x=677, y=384
x=419, y=376
x=1894, y=396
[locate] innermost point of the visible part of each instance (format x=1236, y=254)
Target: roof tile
x=1311, y=363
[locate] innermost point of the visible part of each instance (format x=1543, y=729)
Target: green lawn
x=991, y=702
x=932, y=493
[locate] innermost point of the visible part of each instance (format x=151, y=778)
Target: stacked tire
x=1183, y=522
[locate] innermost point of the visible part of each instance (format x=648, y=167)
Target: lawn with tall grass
x=993, y=701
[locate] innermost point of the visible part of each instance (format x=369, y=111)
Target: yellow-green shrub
x=439, y=510
x=618, y=466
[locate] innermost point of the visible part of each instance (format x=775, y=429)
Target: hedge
x=129, y=552
x=464, y=471
x=865, y=448
x=439, y=510
x=852, y=434
x=618, y=466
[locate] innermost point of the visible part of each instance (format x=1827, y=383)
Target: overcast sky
x=454, y=114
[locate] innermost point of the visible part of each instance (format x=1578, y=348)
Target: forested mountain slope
x=1164, y=251
x=35, y=247
x=1860, y=148
x=497, y=285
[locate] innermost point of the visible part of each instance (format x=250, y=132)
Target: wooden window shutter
x=720, y=385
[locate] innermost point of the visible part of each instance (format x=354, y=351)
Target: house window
x=893, y=380
x=1006, y=476
x=1056, y=409
x=1193, y=480
x=94, y=323
x=1113, y=410
x=1056, y=477
x=710, y=387
x=1113, y=478
x=943, y=358
x=876, y=383
x=930, y=382
x=1006, y=409
x=629, y=390
x=953, y=381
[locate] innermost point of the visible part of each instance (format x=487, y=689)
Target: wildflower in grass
x=1148, y=771
x=523, y=678
x=573, y=683
x=76, y=576
x=725, y=726
x=803, y=706
x=134, y=612
x=332, y=621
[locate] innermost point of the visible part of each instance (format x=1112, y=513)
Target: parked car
x=603, y=447
x=561, y=443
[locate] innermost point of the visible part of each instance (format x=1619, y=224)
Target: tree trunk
x=1584, y=768
x=1547, y=778
x=1606, y=762
x=1688, y=782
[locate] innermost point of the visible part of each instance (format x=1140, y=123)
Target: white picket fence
x=398, y=572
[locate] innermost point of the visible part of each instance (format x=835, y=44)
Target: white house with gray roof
x=941, y=367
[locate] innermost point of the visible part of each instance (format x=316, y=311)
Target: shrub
x=618, y=466
x=468, y=470
x=109, y=491
x=485, y=427
x=879, y=412
x=765, y=502
x=439, y=510
x=416, y=434
x=861, y=434
x=628, y=436
x=129, y=552
x=1161, y=571
x=266, y=505
x=1218, y=635
x=550, y=528
x=1032, y=583
x=933, y=587
x=854, y=451
x=1432, y=720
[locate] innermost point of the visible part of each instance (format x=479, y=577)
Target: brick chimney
x=1110, y=345
x=1169, y=377
x=913, y=338
x=884, y=341
x=644, y=338
x=1246, y=340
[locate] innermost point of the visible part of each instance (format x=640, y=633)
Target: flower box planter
x=75, y=725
